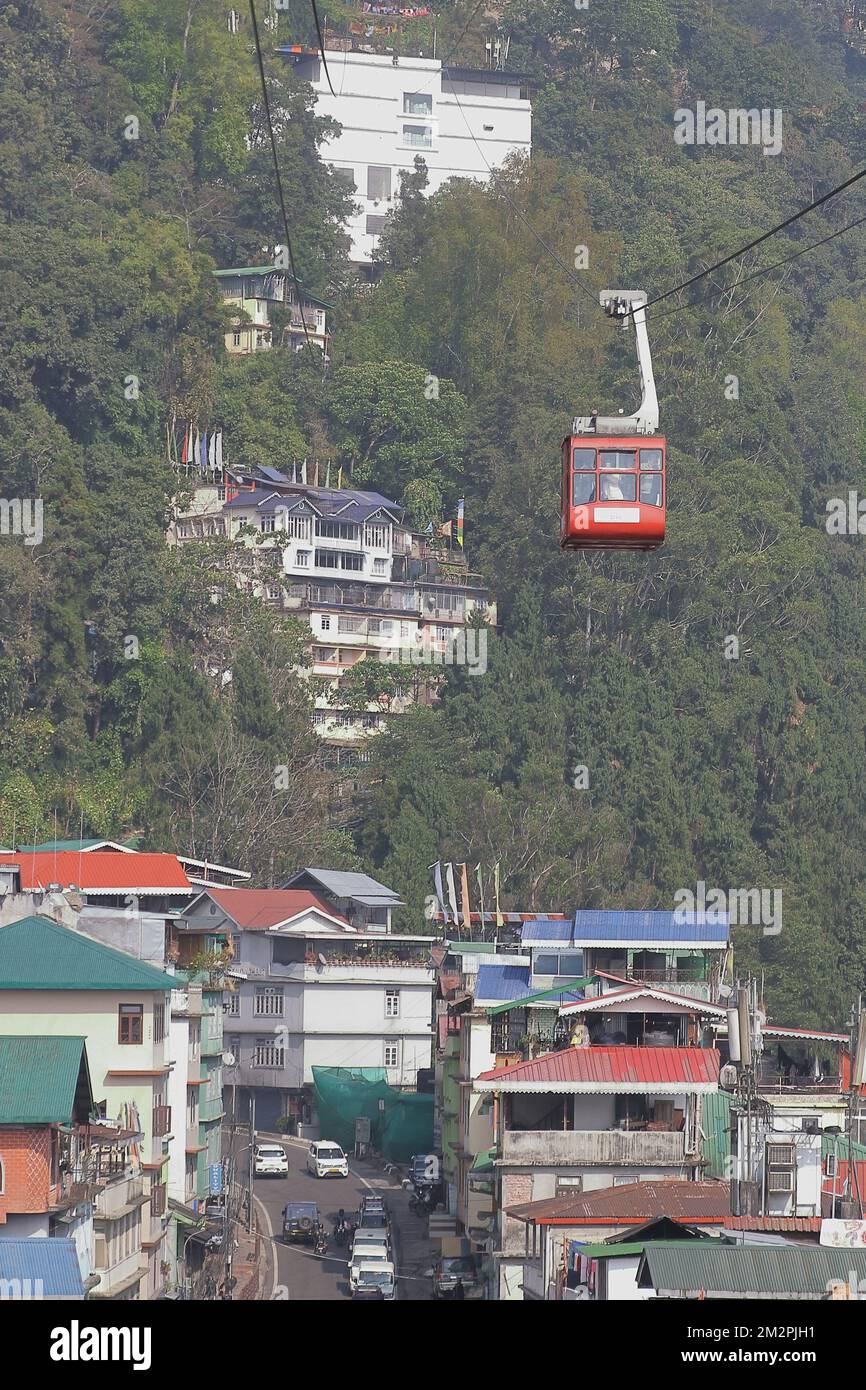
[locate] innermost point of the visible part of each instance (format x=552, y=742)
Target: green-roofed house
x=253, y=290
x=57, y=982
x=45, y=1095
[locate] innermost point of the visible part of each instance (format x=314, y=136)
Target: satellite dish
x=228, y=1059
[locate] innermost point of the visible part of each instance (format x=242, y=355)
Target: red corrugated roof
x=96, y=871
x=665, y=1065
x=706, y=1202
x=261, y=908
x=775, y=1223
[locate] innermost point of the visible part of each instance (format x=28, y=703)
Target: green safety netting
x=401, y=1123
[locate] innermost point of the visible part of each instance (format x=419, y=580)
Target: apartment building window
x=345, y=177
x=267, y=1052
x=274, y=591
x=392, y=1055
x=375, y=224
x=191, y=1106
x=130, y=1023
x=378, y=182
x=269, y=1001
x=158, y=1022
x=350, y=624
x=392, y=1004
x=236, y=339
x=376, y=536
x=302, y=559
x=157, y=1199
x=337, y=530
x=569, y=1187
x=344, y=719
x=380, y=566
x=417, y=103
x=339, y=559
x=232, y=1005
x=233, y=1045
x=319, y=717
x=384, y=626
x=326, y=624
x=298, y=526
x=268, y=523
x=419, y=136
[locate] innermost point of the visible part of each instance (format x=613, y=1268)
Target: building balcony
x=119, y=1198
x=385, y=972
x=562, y=1148
x=210, y=1109
x=300, y=595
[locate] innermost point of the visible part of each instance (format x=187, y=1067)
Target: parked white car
x=372, y=1237
x=376, y=1280
x=270, y=1161
x=365, y=1255
x=327, y=1160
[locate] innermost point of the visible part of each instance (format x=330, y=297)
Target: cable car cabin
x=613, y=492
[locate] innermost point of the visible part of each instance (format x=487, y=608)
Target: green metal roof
x=539, y=994
x=49, y=845
x=838, y=1144
x=39, y=1080
x=743, y=1269
x=632, y=1247
x=36, y=953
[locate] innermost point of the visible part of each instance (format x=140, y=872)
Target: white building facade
x=463, y=122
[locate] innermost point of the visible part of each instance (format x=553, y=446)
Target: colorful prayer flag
x=460, y=506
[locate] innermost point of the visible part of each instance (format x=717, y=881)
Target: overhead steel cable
x=270, y=124
x=322, y=47
x=519, y=213
x=765, y=270
x=765, y=236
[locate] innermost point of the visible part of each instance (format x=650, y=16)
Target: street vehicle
x=454, y=1269
x=424, y=1170
x=375, y=1281
x=270, y=1161
x=373, y=1235
x=370, y=1217
x=301, y=1223
x=364, y=1255
x=327, y=1160
x=613, y=467
x=374, y=1206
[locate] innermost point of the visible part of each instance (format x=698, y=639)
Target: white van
x=366, y=1254
x=327, y=1160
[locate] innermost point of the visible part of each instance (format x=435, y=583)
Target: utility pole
x=251, y=1160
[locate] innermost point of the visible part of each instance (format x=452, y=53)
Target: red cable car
x=613, y=467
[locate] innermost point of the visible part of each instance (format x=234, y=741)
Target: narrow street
x=307, y=1276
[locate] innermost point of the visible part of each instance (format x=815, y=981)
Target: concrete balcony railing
x=116, y=1199
x=552, y=1147
x=409, y=972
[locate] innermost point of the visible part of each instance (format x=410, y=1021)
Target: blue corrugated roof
x=496, y=984
x=52, y=1260
x=623, y=925
x=547, y=929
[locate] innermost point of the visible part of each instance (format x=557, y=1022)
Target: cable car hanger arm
x=625, y=305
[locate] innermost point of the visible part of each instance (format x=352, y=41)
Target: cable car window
x=617, y=458
x=651, y=490
x=618, y=487
x=583, y=488
x=583, y=458
x=651, y=460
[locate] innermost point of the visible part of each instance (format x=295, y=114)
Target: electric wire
x=267, y=107
x=767, y=269
x=519, y=212
x=765, y=236
x=322, y=46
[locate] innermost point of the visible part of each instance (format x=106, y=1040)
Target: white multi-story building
x=346, y=560
x=326, y=984
x=463, y=122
